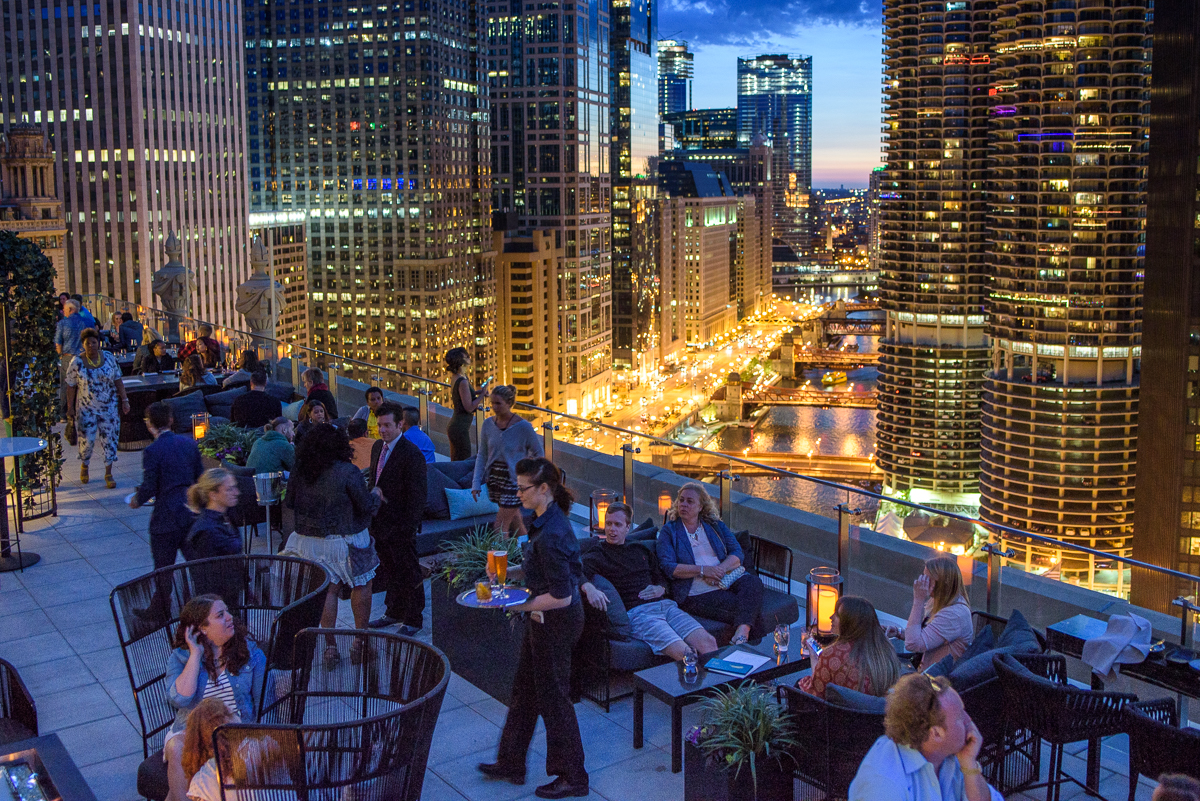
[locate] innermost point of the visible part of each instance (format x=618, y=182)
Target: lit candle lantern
x=664, y=505
x=823, y=589
x=199, y=425
x=601, y=500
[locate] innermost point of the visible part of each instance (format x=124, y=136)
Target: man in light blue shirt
x=66, y=342
x=410, y=429
x=930, y=751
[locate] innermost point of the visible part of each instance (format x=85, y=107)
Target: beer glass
x=501, y=571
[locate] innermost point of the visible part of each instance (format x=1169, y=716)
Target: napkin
x=1126, y=640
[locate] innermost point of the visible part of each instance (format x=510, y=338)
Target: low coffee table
x=665, y=682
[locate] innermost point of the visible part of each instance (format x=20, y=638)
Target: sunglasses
x=937, y=691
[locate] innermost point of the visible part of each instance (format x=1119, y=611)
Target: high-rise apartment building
x=874, y=199
x=634, y=151
x=143, y=106
x=1067, y=230
x=548, y=73
x=704, y=128
x=372, y=122
x=933, y=249
x=29, y=203
x=775, y=100
x=527, y=268
x=675, y=68
x=286, y=241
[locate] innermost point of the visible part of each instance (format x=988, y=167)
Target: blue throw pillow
x=618, y=618
x=942, y=667
x=854, y=700
x=1019, y=636
x=985, y=640
x=968, y=673
x=463, y=505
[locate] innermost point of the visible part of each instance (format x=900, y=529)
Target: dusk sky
x=845, y=40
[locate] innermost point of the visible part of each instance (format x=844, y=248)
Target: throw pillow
x=985, y=640
x=942, y=667
x=968, y=673
x=436, y=484
x=182, y=409
x=1019, y=635
x=646, y=530
x=281, y=392
x=854, y=700
x=292, y=410
x=462, y=504
x=619, y=626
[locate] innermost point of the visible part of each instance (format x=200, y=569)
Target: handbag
x=730, y=577
x=70, y=433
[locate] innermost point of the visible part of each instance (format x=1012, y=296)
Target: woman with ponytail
x=542, y=685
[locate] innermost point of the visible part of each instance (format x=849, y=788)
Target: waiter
x=542, y=685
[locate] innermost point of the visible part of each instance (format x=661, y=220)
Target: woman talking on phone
x=213, y=658
x=542, y=685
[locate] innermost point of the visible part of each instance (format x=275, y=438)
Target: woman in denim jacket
x=213, y=658
x=696, y=550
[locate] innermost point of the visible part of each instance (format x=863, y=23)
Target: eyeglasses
x=525, y=488
x=937, y=690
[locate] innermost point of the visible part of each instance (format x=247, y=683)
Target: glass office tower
x=675, y=69
x=775, y=99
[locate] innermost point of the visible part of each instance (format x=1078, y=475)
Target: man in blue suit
x=170, y=465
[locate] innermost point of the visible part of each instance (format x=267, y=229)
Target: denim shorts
x=661, y=623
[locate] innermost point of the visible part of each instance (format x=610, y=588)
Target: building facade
x=634, y=129
x=704, y=128
x=287, y=246
x=933, y=251
x=372, y=122
x=549, y=76
x=527, y=268
x=29, y=203
x=675, y=68
x=775, y=100
x=143, y=106
x=1067, y=245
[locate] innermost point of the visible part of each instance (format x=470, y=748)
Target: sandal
x=83, y=474
x=332, y=657
x=109, y=481
x=359, y=652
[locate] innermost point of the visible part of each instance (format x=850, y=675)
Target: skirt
x=348, y=560
x=502, y=490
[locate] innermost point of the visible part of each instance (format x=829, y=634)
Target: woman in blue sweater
x=213, y=658
x=213, y=495
x=704, y=561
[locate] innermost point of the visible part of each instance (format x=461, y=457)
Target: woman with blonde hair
x=861, y=657
x=199, y=760
x=506, y=440
x=211, y=497
x=703, y=559
x=940, y=620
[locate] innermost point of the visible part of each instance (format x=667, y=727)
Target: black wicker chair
x=1037, y=698
x=276, y=596
x=831, y=743
x=1156, y=743
x=356, y=731
x=18, y=713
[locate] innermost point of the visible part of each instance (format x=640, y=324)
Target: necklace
x=88, y=360
x=693, y=536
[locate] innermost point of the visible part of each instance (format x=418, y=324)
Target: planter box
x=481, y=644
x=702, y=782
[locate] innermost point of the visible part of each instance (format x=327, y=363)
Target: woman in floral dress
x=93, y=390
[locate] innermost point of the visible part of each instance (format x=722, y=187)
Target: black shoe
x=494, y=770
x=409, y=631
x=561, y=788
x=382, y=622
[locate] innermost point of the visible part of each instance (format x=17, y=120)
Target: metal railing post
x=332, y=375
x=480, y=416
x=295, y=369
x=423, y=398
x=727, y=479
x=548, y=429
x=843, y=549
x=995, y=553
x=627, y=452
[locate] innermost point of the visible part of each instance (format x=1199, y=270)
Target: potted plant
x=225, y=442
x=739, y=751
x=482, y=644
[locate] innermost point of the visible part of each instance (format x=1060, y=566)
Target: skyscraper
x=550, y=162
x=704, y=128
x=634, y=150
x=372, y=122
x=1068, y=166
x=932, y=250
x=29, y=203
x=675, y=66
x=775, y=99
x=143, y=105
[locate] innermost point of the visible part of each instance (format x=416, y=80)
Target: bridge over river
x=857, y=469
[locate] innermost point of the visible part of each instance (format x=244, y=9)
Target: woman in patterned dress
x=93, y=390
x=861, y=658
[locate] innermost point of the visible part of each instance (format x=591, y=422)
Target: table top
x=1068, y=636
x=55, y=761
x=666, y=683
x=150, y=381
x=21, y=446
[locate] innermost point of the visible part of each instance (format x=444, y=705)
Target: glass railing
x=819, y=485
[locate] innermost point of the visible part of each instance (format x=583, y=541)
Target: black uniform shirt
x=551, y=557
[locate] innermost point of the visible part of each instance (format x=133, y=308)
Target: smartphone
x=486, y=381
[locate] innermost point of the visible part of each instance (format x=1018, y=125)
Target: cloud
x=752, y=22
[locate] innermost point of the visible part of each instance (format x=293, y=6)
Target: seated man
x=255, y=408
x=410, y=429
x=930, y=751
x=634, y=573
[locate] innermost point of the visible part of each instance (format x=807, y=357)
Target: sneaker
x=382, y=622
x=561, y=788
x=410, y=631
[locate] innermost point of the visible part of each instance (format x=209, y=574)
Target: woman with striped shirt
x=213, y=658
